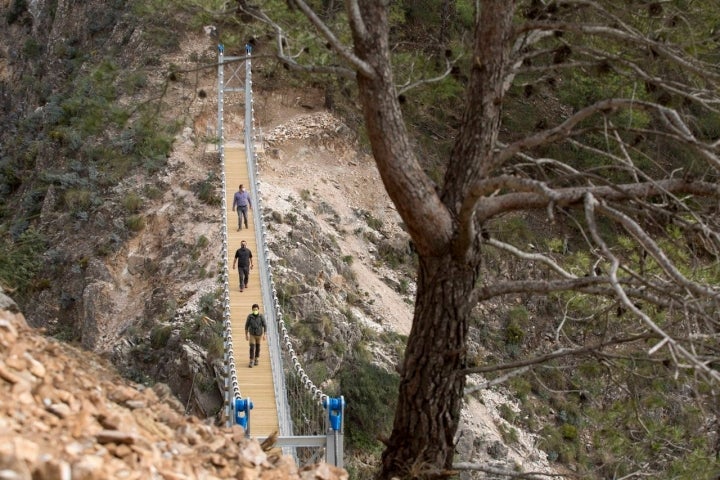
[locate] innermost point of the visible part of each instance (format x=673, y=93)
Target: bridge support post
x=242, y=407
x=226, y=395
x=334, y=445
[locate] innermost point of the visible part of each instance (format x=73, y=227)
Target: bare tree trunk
x=445, y=221
x=431, y=390
x=430, y=396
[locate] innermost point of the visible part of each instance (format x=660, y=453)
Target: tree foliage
x=577, y=141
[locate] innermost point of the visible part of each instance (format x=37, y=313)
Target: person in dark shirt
x=243, y=259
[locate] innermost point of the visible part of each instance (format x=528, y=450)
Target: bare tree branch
x=684, y=90
x=356, y=20
x=505, y=473
x=362, y=67
x=536, y=257
x=488, y=207
x=499, y=289
x=409, y=86
x=592, y=204
x=662, y=295
x=290, y=60
x=565, y=129
x=657, y=253
x=563, y=352
x=497, y=381
x=701, y=69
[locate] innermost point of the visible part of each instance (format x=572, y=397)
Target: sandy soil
x=302, y=151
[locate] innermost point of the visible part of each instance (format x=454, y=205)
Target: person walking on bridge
x=243, y=258
x=255, y=331
x=241, y=202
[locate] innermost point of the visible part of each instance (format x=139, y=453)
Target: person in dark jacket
x=255, y=331
x=243, y=258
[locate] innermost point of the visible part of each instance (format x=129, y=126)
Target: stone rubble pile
x=305, y=127
x=65, y=414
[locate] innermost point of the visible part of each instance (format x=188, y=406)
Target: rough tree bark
x=431, y=388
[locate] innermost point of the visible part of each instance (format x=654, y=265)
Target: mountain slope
x=66, y=413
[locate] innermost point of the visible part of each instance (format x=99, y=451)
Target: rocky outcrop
x=99, y=312
x=315, y=127
x=9, y=312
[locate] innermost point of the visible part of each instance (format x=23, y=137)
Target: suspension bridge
x=275, y=398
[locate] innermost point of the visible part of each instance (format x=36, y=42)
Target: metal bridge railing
x=232, y=386
x=304, y=429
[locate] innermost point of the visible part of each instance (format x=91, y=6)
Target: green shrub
x=276, y=217
x=509, y=434
x=372, y=393
x=514, y=229
x=134, y=82
x=361, y=353
x=352, y=298
x=339, y=348
x=325, y=208
x=21, y=260
x=557, y=447
x=302, y=332
x=514, y=334
x=373, y=223
x=165, y=39
x=16, y=10
x=103, y=250
x=286, y=291
x=160, y=335
x=506, y=412
x=197, y=250
x=77, y=199
x=521, y=387
x=207, y=190
x=209, y=304
x=135, y=223
x=202, y=242
x=153, y=193
x=404, y=286
x=32, y=48
x=132, y=202
x=393, y=256
x=568, y=432
x=215, y=347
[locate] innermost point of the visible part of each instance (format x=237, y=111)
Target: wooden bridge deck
x=257, y=382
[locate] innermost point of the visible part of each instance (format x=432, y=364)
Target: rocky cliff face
x=86, y=169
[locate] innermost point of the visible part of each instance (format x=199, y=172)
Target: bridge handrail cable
x=278, y=336
x=250, y=139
